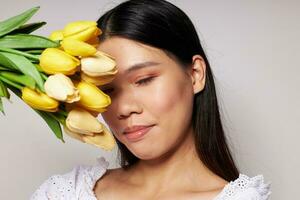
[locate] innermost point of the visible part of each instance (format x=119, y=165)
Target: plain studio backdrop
x=254, y=50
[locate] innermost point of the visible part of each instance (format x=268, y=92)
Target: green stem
x=34, y=57
x=44, y=76
x=64, y=113
x=11, y=83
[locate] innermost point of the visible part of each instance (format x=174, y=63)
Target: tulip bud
x=81, y=30
x=82, y=122
x=56, y=35
x=101, y=80
x=39, y=100
x=61, y=88
x=91, y=97
x=77, y=48
x=71, y=106
x=104, y=140
x=74, y=135
x=54, y=61
x=98, y=65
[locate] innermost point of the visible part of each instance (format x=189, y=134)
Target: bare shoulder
x=110, y=179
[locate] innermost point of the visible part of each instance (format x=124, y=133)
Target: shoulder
x=76, y=183
x=246, y=188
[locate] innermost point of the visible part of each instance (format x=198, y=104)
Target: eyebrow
x=139, y=66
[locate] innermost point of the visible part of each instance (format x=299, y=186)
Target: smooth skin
x=160, y=94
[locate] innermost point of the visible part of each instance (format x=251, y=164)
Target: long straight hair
x=161, y=24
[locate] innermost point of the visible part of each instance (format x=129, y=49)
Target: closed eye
x=144, y=81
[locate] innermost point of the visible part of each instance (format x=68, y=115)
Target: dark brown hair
x=161, y=24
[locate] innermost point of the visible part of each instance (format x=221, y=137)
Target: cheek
x=170, y=103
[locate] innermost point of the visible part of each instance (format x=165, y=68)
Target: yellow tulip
x=71, y=106
x=39, y=100
x=94, y=41
x=104, y=140
x=81, y=30
x=99, y=64
x=54, y=61
x=61, y=88
x=82, y=122
x=91, y=97
x=74, y=135
x=56, y=35
x=77, y=47
x=101, y=80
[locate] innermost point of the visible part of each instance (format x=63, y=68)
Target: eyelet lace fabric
x=246, y=188
x=78, y=184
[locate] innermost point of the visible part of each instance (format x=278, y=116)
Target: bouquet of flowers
x=58, y=77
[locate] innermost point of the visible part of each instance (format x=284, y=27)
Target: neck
x=179, y=168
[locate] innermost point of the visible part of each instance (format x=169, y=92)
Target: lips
x=137, y=128
x=138, y=134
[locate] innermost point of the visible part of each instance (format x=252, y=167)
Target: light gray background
x=253, y=47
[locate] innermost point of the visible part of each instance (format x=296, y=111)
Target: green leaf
x=5, y=69
x=25, y=41
x=35, y=51
x=16, y=21
x=21, y=53
x=6, y=63
x=15, y=91
x=11, y=83
x=23, y=65
x=52, y=123
x=1, y=106
x=3, y=90
x=29, y=28
x=19, y=78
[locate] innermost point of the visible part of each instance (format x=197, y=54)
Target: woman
x=164, y=116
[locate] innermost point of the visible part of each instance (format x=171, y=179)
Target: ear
x=198, y=73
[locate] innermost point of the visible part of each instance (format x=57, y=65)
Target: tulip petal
x=39, y=100
x=91, y=97
x=94, y=41
x=81, y=30
x=54, y=61
x=61, y=87
x=100, y=80
x=83, y=122
x=104, y=140
x=74, y=135
x=56, y=35
x=99, y=64
x=77, y=27
x=78, y=48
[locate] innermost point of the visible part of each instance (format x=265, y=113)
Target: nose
x=127, y=104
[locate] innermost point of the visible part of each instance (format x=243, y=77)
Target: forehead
x=128, y=53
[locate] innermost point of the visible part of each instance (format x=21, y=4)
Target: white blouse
x=78, y=184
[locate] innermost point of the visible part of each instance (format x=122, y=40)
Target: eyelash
x=144, y=81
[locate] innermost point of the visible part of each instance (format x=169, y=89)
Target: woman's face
x=159, y=94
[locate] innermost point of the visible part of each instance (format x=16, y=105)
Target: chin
x=152, y=153
x=143, y=153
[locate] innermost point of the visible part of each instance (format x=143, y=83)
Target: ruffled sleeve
x=76, y=184
x=246, y=188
